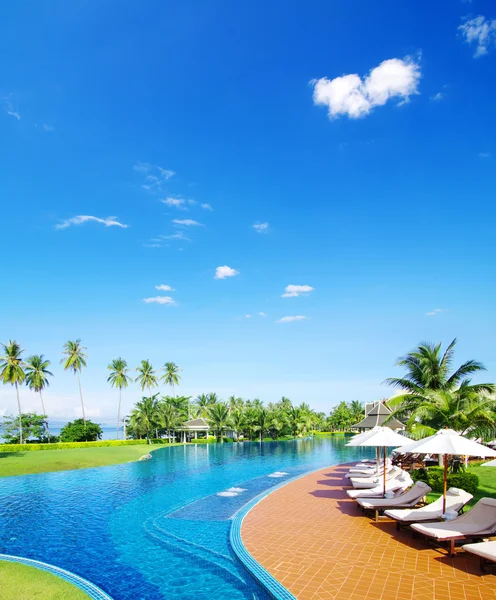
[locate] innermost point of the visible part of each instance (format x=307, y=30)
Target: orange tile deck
x=312, y=538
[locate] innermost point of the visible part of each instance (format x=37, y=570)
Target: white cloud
x=159, y=300
x=207, y=206
x=438, y=97
x=164, y=288
x=481, y=32
x=434, y=312
x=292, y=291
x=176, y=236
x=47, y=128
x=80, y=219
x=261, y=227
x=356, y=97
x=172, y=201
x=9, y=109
x=247, y=316
x=187, y=223
x=484, y=155
x=291, y=319
x=225, y=271
x=155, y=245
x=192, y=202
x=262, y=314
x=155, y=177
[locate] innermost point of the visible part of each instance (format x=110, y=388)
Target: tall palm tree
x=169, y=417
x=146, y=415
x=212, y=398
x=118, y=378
x=146, y=376
x=357, y=410
x=171, y=375
x=277, y=422
x=218, y=418
x=262, y=421
x=12, y=371
x=428, y=369
x=202, y=402
x=37, y=374
x=75, y=360
x=237, y=421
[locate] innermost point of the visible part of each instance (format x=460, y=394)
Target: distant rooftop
x=375, y=414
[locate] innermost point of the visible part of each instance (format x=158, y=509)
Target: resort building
x=375, y=415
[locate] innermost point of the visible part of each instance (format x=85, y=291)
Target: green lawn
x=42, y=461
x=487, y=483
x=20, y=582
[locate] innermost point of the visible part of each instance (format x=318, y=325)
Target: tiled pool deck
x=313, y=539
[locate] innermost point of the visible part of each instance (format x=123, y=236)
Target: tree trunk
x=118, y=414
x=44, y=412
x=20, y=413
x=81, y=396
x=168, y=435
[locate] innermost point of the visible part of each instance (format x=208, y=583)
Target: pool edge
x=271, y=585
x=92, y=590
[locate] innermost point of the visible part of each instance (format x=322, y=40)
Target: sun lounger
x=369, y=469
x=397, y=485
x=368, y=482
x=407, y=499
x=474, y=524
x=455, y=501
x=368, y=472
x=486, y=551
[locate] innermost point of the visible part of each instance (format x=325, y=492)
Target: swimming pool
x=159, y=528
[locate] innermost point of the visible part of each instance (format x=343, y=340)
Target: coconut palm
x=212, y=398
x=428, y=369
x=218, y=419
x=146, y=415
x=37, y=374
x=357, y=410
x=277, y=422
x=237, y=421
x=235, y=403
x=146, y=376
x=262, y=422
x=171, y=375
x=119, y=379
x=169, y=417
x=12, y=371
x=75, y=360
x=202, y=402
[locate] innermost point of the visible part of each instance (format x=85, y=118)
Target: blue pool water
x=155, y=529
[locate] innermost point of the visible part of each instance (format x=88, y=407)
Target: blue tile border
x=87, y=587
x=273, y=587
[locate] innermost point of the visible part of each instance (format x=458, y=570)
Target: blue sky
x=358, y=137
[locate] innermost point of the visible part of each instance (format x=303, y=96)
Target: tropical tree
x=146, y=415
x=429, y=369
x=218, y=418
x=212, y=398
x=12, y=372
x=202, y=402
x=235, y=403
x=171, y=375
x=33, y=426
x=262, y=422
x=434, y=396
x=357, y=411
x=237, y=422
x=80, y=430
x=75, y=360
x=169, y=417
x=37, y=374
x=146, y=378
x=119, y=379
x=277, y=422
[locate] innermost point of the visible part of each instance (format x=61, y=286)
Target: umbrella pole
x=384, y=471
x=445, y=482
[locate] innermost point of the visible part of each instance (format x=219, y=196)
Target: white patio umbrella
x=379, y=437
x=449, y=443
x=491, y=463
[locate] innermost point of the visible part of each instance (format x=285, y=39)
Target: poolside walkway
x=312, y=538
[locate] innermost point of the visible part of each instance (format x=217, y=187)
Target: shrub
x=67, y=445
x=434, y=477
x=209, y=440
x=80, y=431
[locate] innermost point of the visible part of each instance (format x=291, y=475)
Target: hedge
x=434, y=477
x=67, y=445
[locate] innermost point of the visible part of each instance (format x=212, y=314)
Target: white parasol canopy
x=491, y=463
x=378, y=437
x=447, y=442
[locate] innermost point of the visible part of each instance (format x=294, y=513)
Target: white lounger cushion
x=480, y=520
x=408, y=498
x=368, y=482
x=483, y=549
x=455, y=500
x=398, y=485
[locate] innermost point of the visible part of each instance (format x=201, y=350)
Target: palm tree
x=427, y=369
x=12, y=371
x=37, y=379
x=237, y=421
x=235, y=403
x=262, y=422
x=146, y=376
x=277, y=422
x=75, y=360
x=212, y=398
x=357, y=411
x=169, y=417
x=171, y=375
x=202, y=402
x=146, y=415
x=118, y=378
x=218, y=418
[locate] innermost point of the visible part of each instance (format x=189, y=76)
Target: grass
x=487, y=483
x=20, y=582
x=25, y=463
